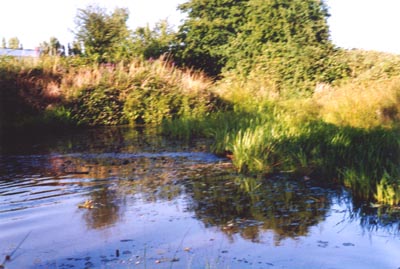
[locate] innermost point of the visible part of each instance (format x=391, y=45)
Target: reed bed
x=138, y=92
x=345, y=132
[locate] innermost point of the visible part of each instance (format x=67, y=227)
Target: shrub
x=98, y=106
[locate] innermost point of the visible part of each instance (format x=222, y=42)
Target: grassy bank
x=346, y=131
x=365, y=160
x=71, y=92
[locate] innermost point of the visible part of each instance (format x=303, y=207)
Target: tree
x=207, y=32
x=75, y=50
x=55, y=46
x=273, y=23
x=3, y=43
x=13, y=43
x=286, y=41
x=52, y=48
x=104, y=36
x=152, y=43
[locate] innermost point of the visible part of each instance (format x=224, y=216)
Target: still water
x=124, y=198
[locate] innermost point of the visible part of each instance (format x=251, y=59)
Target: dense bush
x=98, y=106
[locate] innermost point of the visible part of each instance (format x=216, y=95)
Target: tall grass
x=345, y=132
x=92, y=94
x=361, y=104
x=361, y=159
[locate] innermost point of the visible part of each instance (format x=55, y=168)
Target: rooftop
x=20, y=52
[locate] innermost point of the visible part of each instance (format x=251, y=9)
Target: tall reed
x=102, y=94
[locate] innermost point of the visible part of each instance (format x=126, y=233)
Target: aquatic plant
x=275, y=140
x=388, y=190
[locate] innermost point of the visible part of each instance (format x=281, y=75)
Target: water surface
x=124, y=198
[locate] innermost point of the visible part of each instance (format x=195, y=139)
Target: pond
x=125, y=198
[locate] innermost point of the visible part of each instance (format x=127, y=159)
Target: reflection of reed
x=251, y=206
x=374, y=217
x=109, y=179
x=236, y=205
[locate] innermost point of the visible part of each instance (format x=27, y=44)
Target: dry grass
x=361, y=104
x=137, y=73
x=111, y=92
x=247, y=90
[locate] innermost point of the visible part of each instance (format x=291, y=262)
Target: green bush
x=98, y=106
x=152, y=103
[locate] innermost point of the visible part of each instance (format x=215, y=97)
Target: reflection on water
x=168, y=204
x=288, y=208
x=107, y=208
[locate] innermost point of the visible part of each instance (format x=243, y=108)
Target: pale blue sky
x=366, y=24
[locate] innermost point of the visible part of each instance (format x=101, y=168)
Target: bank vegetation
x=268, y=87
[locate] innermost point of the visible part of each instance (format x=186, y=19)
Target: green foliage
x=287, y=41
x=13, y=43
x=104, y=36
x=54, y=118
x=157, y=101
x=185, y=127
x=388, y=190
x=99, y=106
x=294, y=69
x=206, y=33
x=249, y=34
x=151, y=103
x=361, y=104
x=368, y=65
x=52, y=47
x=291, y=22
x=75, y=49
x=78, y=91
x=288, y=101
x=59, y=115
x=296, y=135
x=279, y=138
x=252, y=149
x=153, y=43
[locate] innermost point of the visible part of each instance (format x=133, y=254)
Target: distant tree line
x=105, y=37
x=13, y=43
x=287, y=39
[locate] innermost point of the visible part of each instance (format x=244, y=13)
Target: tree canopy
x=208, y=31
x=229, y=34
x=286, y=40
x=152, y=43
x=13, y=43
x=53, y=47
x=292, y=23
x=104, y=36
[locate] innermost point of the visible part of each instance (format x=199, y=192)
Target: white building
x=20, y=52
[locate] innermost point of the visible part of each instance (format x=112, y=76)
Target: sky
x=363, y=24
